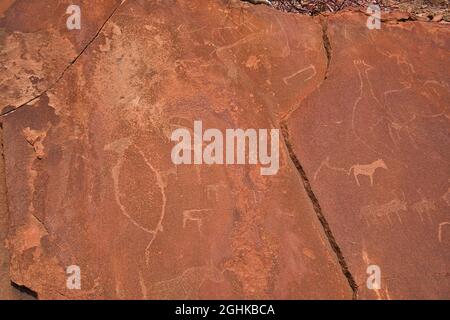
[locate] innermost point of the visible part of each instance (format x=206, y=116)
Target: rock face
x=37, y=46
x=6, y=290
x=35, y=49
x=373, y=141
x=90, y=181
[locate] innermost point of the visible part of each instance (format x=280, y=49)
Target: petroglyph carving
x=119, y=147
x=187, y=285
x=384, y=211
x=440, y=229
x=35, y=139
x=212, y=191
x=195, y=215
x=446, y=197
x=326, y=163
x=358, y=169
x=143, y=286
x=423, y=207
x=161, y=185
x=295, y=74
x=367, y=170
x=366, y=96
x=396, y=129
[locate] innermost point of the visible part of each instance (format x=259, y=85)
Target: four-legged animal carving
x=367, y=170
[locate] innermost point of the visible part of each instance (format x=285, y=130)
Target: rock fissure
x=25, y=290
x=326, y=45
x=318, y=210
x=328, y=54
x=3, y=114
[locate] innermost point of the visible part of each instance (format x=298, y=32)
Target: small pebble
x=438, y=18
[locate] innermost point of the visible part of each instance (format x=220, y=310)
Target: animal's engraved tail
x=350, y=170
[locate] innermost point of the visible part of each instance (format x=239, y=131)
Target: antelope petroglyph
x=195, y=215
x=383, y=211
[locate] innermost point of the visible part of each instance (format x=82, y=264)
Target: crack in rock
x=317, y=208
x=326, y=44
x=3, y=114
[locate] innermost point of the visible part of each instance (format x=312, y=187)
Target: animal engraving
x=373, y=212
x=367, y=170
x=423, y=208
x=187, y=285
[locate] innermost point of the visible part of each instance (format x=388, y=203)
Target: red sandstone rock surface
x=87, y=119
x=373, y=140
x=37, y=47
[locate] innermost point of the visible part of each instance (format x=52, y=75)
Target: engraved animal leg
x=356, y=178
